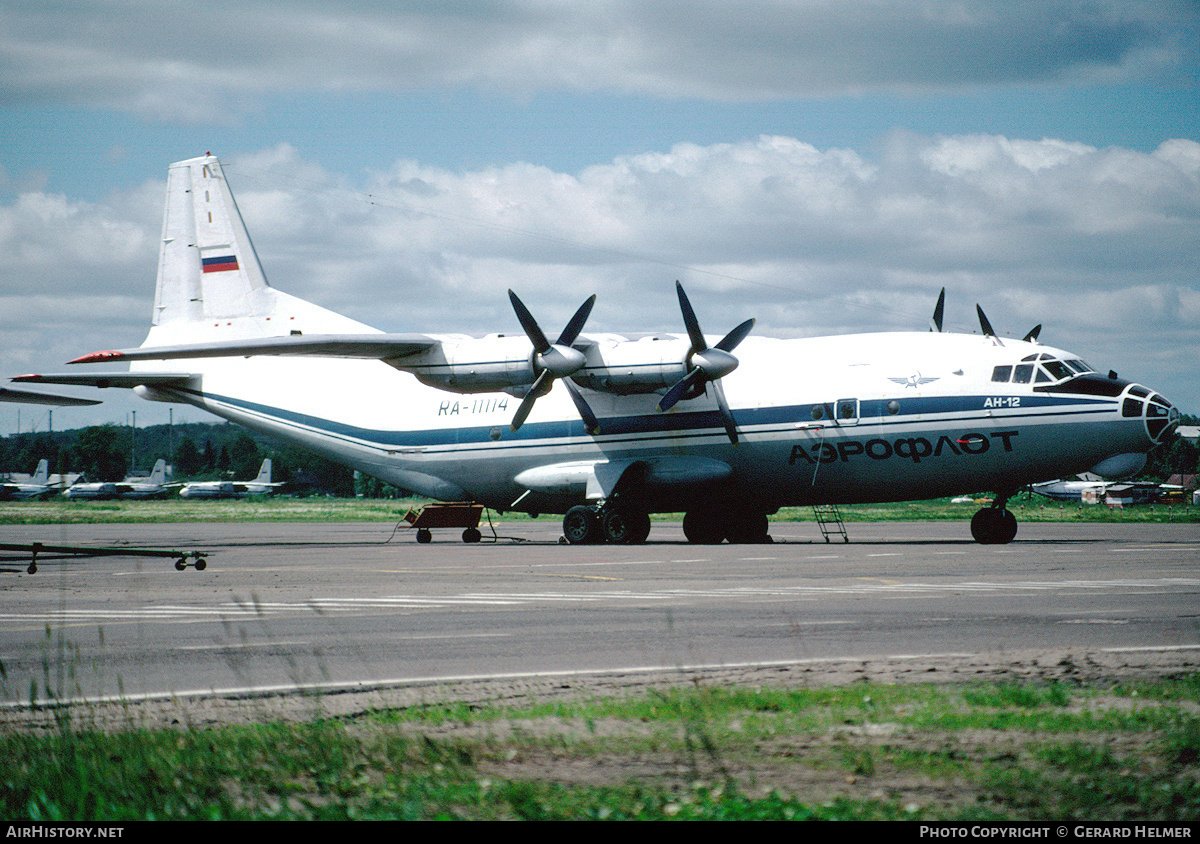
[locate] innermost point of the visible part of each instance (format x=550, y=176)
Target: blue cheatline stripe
x=689, y=425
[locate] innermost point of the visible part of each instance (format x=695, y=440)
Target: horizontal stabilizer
x=27, y=397
x=369, y=346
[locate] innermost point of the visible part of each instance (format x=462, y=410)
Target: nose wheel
x=994, y=526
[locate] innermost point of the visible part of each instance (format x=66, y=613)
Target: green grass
x=317, y=509
x=870, y=751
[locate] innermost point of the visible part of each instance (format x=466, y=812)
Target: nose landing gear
x=994, y=525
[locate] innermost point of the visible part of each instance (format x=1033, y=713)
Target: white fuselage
x=854, y=418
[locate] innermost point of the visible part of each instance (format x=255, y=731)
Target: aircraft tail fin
x=211, y=285
x=207, y=267
x=264, y=474
x=159, y=475
x=42, y=475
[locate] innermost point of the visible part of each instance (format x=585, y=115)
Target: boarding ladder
x=829, y=519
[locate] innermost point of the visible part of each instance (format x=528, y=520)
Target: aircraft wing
x=27, y=397
x=128, y=380
x=369, y=346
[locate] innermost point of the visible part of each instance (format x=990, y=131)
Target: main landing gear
x=622, y=522
x=994, y=525
x=609, y=522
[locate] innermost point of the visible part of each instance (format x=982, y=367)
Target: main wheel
x=471, y=535
x=704, y=527
x=749, y=528
x=581, y=526
x=641, y=527
x=625, y=525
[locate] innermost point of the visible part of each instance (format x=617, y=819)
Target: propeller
x=554, y=360
x=938, y=310
x=708, y=365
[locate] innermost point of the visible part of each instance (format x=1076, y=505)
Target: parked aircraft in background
x=130, y=488
x=607, y=429
x=1069, y=490
x=39, y=485
x=261, y=485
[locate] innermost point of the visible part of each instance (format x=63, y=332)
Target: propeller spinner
x=554, y=360
x=708, y=365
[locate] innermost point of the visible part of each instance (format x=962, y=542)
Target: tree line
x=197, y=451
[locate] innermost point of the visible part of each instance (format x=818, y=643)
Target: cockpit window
x=1057, y=369
x=1040, y=368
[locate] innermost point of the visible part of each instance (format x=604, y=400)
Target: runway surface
x=282, y=606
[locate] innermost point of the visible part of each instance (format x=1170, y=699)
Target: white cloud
x=202, y=63
x=1100, y=245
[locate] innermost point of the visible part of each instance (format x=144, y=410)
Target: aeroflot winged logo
x=914, y=380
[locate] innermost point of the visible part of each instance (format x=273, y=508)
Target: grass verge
x=998, y=751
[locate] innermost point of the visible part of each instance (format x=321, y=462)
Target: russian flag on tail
x=219, y=264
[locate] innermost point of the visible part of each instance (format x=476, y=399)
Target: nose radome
x=1161, y=417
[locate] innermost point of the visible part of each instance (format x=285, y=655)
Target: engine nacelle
x=474, y=365
x=628, y=367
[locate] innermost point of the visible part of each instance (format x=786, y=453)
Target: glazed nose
x=1159, y=414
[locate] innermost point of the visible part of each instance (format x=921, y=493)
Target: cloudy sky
x=823, y=165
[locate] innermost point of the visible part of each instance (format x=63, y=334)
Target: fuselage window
x=1023, y=373
x=847, y=409
x=818, y=412
x=1001, y=373
x=893, y=407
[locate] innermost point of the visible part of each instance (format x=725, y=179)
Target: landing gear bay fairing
x=607, y=429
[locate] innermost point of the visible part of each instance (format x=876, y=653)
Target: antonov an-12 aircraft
x=261, y=485
x=155, y=486
x=607, y=429
x=38, y=486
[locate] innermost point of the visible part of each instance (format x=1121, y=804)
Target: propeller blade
x=986, y=326
x=571, y=333
x=590, y=422
x=730, y=341
x=689, y=321
x=539, y=387
x=1033, y=333
x=540, y=344
x=726, y=413
x=682, y=386
x=983, y=322
x=938, y=310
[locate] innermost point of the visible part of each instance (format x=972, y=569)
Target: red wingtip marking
x=97, y=357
